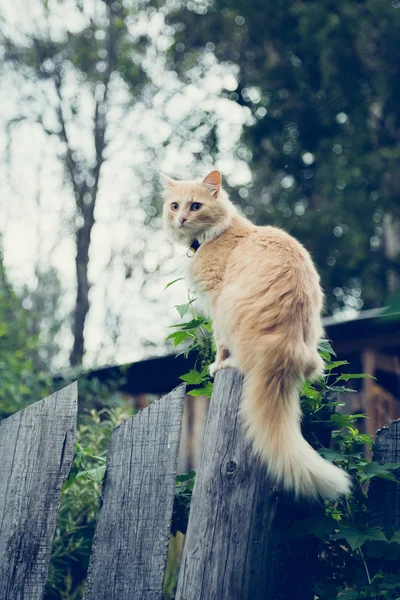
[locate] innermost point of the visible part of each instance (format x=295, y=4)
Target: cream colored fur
x=265, y=300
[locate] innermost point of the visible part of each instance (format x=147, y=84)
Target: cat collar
x=194, y=246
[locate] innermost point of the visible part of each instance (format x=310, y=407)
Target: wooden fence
x=231, y=551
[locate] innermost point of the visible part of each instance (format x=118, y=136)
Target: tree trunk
x=83, y=286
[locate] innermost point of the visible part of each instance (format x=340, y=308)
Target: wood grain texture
x=36, y=452
x=384, y=496
x=235, y=548
x=131, y=541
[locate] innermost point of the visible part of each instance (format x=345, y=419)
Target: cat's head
x=196, y=209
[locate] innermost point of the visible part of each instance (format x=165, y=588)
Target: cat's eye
x=174, y=206
x=196, y=206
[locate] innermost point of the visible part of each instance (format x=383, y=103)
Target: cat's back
x=268, y=246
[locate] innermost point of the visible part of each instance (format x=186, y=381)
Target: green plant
x=355, y=555
x=196, y=335
x=21, y=382
x=79, y=504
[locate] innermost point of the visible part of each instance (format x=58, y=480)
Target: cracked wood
x=36, y=452
x=235, y=544
x=132, y=535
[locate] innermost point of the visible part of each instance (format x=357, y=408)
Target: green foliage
x=196, y=335
x=21, y=383
x=354, y=554
x=183, y=496
x=321, y=139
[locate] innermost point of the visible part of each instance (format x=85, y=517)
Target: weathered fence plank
x=36, y=451
x=384, y=495
x=232, y=550
x=131, y=541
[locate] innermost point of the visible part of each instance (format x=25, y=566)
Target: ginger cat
x=263, y=294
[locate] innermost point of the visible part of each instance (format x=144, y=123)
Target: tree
x=20, y=382
x=323, y=141
x=79, y=69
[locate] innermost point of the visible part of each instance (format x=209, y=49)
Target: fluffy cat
x=264, y=296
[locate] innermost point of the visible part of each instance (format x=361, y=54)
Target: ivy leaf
x=331, y=455
x=338, y=389
x=374, y=469
x=348, y=376
x=310, y=392
x=193, y=377
x=180, y=336
x=355, y=538
x=183, y=308
x=324, y=346
x=319, y=526
x=333, y=365
x=343, y=420
x=206, y=390
x=191, y=325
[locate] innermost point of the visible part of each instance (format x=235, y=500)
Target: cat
x=264, y=297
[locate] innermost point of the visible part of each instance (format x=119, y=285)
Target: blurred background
x=297, y=103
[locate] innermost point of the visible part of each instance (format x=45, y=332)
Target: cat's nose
x=182, y=220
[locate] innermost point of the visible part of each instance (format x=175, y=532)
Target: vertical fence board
x=131, y=541
x=384, y=495
x=36, y=453
x=232, y=550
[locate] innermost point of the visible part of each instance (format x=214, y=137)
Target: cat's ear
x=166, y=181
x=213, y=183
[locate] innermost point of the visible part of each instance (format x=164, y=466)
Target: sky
x=37, y=215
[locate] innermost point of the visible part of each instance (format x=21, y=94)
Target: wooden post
x=235, y=547
x=36, y=451
x=384, y=495
x=133, y=528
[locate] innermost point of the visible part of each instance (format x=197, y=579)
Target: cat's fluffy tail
x=271, y=413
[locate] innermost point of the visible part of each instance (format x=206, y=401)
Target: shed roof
x=370, y=329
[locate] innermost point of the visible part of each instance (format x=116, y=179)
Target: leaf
x=333, y=365
x=207, y=326
x=206, y=390
x=179, y=336
x=395, y=539
x=348, y=376
x=374, y=469
x=172, y=283
x=193, y=324
x=193, y=377
x=185, y=476
x=325, y=346
x=319, y=526
x=95, y=474
x=355, y=538
x=343, y=420
x=341, y=389
x=183, y=308
x=348, y=595
x=331, y=455
x=310, y=392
